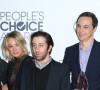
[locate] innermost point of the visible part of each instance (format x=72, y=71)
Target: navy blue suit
x=58, y=77
x=71, y=58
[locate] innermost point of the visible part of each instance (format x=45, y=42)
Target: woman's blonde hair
x=19, y=39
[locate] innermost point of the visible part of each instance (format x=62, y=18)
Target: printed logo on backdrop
x=26, y=22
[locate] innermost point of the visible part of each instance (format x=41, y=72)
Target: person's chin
x=17, y=56
x=39, y=59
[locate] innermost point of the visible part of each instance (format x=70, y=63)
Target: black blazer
x=71, y=58
x=11, y=64
x=58, y=78
x=3, y=69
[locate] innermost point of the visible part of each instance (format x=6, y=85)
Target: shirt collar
x=43, y=64
x=88, y=48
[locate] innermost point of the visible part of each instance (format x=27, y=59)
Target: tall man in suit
x=85, y=55
x=44, y=73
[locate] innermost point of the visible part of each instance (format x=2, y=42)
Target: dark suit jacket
x=93, y=66
x=58, y=77
x=3, y=70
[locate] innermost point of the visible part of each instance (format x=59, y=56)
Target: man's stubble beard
x=42, y=57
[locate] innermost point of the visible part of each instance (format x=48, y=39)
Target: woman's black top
x=14, y=71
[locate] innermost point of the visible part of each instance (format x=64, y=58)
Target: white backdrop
x=53, y=16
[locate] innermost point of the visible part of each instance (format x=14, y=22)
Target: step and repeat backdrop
x=57, y=17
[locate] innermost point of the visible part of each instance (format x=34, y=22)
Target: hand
x=5, y=87
x=33, y=59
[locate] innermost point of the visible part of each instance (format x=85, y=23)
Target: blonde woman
x=14, y=49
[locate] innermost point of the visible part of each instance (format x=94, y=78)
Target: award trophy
x=82, y=82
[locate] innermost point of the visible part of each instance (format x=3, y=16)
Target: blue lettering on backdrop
x=15, y=16
x=21, y=26
x=28, y=22
x=25, y=34
x=21, y=21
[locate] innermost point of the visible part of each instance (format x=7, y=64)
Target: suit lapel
x=33, y=79
x=90, y=60
x=76, y=57
x=29, y=76
x=52, y=76
x=32, y=76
